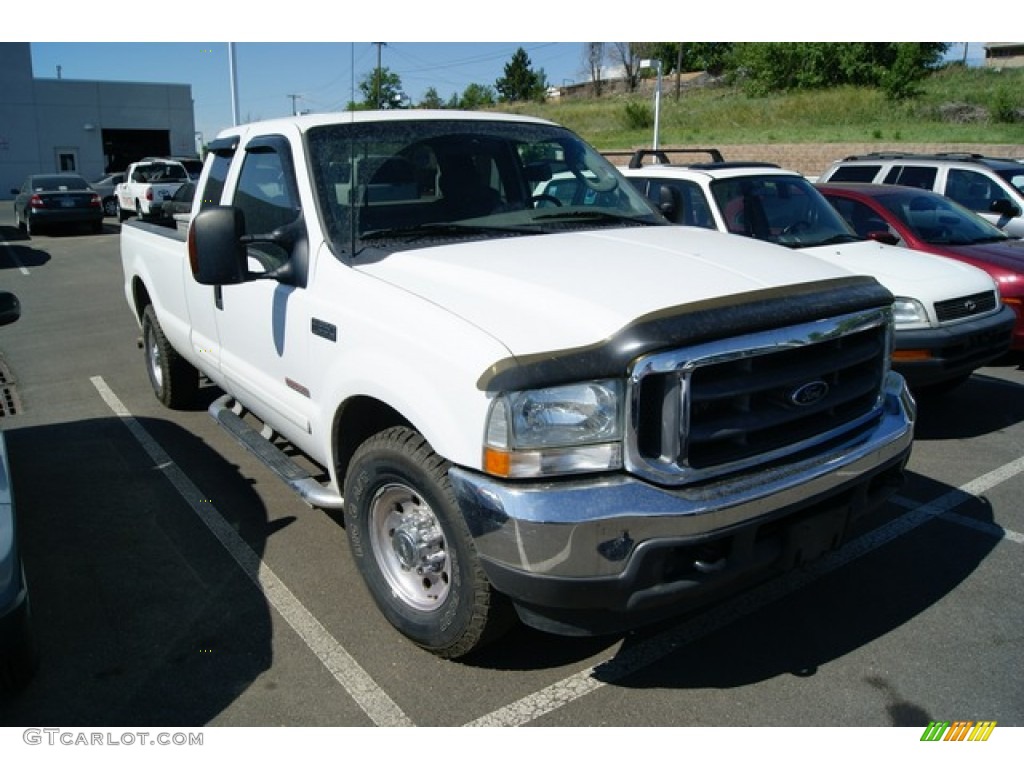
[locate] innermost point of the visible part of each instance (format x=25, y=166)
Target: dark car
x=930, y=222
x=104, y=187
x=19, y=653
x=56, y=199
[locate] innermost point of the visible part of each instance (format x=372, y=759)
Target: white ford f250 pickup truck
x=583, y=414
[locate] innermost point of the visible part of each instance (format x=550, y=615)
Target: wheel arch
x=356, y=420
x=140, y=297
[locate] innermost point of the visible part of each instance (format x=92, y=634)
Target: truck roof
x=305, y=122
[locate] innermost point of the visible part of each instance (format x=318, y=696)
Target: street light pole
x=657, y=96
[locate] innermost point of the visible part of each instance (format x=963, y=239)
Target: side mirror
x=1004, y=207
x=10, y=308
x=888, y=238
x=216, y=253
x=668, y=202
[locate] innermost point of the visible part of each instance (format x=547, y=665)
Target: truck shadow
x=143, y=617
x=905, y=562
x=804, y=629
x=982, y=405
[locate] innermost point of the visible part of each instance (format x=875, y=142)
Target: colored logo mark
x=958, y=730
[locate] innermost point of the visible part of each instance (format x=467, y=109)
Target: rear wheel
x=175, y=381
x=110, y=207
x=413, y=548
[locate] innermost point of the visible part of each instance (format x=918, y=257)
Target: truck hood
x=545, y=292
x=906, y=273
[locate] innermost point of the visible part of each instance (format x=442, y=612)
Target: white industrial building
x=87, y=126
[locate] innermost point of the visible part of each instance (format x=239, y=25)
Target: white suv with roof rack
x=992, y=187
x=949, y=317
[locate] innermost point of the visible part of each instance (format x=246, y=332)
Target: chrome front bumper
x=541, y=542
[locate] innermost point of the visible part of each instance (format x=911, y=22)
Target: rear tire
x=174, y=380
x=414, y=550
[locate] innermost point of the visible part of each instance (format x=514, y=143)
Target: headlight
x=555, y=430
x=907, y=311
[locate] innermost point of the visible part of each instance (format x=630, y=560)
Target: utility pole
x=233, y=77
x=377, y=96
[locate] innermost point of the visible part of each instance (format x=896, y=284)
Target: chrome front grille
x=705, y=411
x=965, y=306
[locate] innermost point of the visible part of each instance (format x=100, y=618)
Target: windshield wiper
x=434, y=229
x=594, y=216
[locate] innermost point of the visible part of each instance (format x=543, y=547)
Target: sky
x=280, y=66
x=275, y=77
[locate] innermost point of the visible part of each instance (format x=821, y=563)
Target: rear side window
x=919, y=176
x=858, y=173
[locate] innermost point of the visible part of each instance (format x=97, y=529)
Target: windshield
x=938, y=220
x=1015, y=177
x=780, y=209
x=406, y=183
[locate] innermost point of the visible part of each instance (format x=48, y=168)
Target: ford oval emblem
x=809, y=393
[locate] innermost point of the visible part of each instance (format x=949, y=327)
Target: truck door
x=203, y=300
x=263, y=324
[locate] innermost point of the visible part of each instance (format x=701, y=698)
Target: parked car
x=104, y=187
x=50, y=199
x=147, y=185
x=19, y=655
x=992, y=187
x=949, y=320
x=930, y=222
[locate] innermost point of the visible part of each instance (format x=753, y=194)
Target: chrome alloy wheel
x=153, y=360
x=408, y=545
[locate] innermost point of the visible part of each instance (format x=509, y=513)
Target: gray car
x=104, y=187
x=19, y=654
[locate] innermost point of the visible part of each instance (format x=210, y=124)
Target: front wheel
x=174, y=380
x=413, y=549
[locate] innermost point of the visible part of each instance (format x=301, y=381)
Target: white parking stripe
x=644, y=654
x=377, y=705
x=10, y=252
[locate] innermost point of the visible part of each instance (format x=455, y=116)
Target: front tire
x=174, y=380
x=414, y=550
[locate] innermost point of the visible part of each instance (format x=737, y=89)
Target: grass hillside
x=956, y=104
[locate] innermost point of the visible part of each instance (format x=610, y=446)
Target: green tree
x=382, y=82
x=764, y=68
x=476, y=95
x=521, y=82
x=431, y=99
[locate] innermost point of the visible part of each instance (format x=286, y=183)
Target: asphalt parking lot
x=175, y=581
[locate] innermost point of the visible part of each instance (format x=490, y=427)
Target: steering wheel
x=543, y=198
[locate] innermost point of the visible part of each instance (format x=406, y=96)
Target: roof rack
x=963, y=157
x=636, y=158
